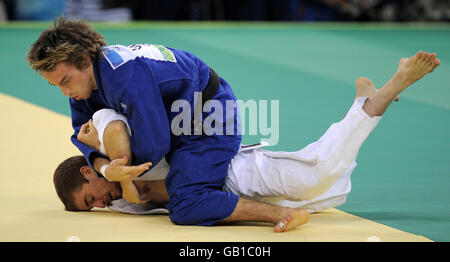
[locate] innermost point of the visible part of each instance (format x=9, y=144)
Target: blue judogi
x=141, y=82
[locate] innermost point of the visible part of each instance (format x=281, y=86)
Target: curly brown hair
x=67, y=41
x=68, y=179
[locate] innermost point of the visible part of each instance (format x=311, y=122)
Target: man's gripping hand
x=88, y=135
x=119, y=171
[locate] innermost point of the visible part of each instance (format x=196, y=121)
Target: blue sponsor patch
x=113, y=57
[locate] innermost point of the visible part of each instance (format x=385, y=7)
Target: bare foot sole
x=365, y=87
x=292, y=220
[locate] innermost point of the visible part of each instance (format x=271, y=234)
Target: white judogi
x=316, y=177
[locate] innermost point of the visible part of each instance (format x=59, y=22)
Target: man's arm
x=117, y=145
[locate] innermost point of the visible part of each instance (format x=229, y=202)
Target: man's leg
x=284, y=218
x=264, y=185
x=307, y=174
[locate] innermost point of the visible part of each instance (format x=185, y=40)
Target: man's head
x=79, y=187
x=63, y=55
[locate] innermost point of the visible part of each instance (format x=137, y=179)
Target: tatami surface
x=31, y=211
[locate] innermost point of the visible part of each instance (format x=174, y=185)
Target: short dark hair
x=68, y=179
x=67, y=41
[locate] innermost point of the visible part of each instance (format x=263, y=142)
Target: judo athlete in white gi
x=313, y=179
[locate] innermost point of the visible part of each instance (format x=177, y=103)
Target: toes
x=433, y=58
x=419, y=55
x=425, y=57
x=437, y=62
x=282, y=225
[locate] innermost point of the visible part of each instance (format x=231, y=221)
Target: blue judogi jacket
x=141, y=82
x=142, y=88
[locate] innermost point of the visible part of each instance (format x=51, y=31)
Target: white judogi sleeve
x=316, y=177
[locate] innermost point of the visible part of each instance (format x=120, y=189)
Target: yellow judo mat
x=31, y=211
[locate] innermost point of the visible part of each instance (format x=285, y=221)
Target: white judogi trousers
x=315, y=178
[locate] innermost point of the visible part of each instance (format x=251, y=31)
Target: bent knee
x=202, y=209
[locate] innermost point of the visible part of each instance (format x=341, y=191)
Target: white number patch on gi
x=118, y=55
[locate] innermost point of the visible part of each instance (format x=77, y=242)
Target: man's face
x=75, y=83
x=99, y=192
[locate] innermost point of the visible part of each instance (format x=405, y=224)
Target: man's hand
x=89, y=136
x=119, y=171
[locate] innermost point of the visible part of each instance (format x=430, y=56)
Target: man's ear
x=87, y=62
x=87, y=172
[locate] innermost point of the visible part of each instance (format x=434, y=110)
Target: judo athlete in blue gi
x=142, y=82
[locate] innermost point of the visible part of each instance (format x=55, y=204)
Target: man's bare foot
x=414, y=68
x=409, y=71
x=365, y=87
x=291, y=220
